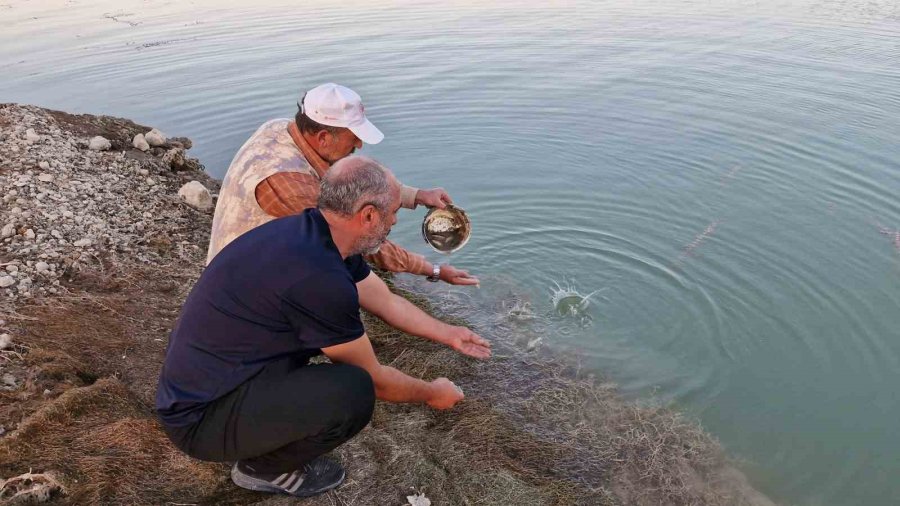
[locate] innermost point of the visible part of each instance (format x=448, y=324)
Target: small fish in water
x=724, y=180
x=568, y=301
x=699, y=239
x=532, y=344
x=893, y=234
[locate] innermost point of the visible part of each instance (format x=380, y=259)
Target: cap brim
x=367, y=132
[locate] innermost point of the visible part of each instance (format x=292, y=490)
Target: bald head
x=355, y=181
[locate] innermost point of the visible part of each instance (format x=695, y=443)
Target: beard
x=370, y=244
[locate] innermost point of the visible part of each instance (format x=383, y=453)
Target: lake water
x=728, y=172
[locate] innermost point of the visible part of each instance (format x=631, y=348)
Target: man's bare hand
x=435, y=197
x=469, y=343
x=445, y=394
x=453, y=276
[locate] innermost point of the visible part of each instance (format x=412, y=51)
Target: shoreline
x=87, y=333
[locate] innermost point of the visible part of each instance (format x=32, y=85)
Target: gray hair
x=354, y=182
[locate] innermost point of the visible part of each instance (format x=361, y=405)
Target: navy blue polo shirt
x=279, y=290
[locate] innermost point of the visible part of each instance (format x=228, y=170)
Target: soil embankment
x=97, y=253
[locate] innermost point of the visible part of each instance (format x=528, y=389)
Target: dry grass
x=531, y=431
x=106, y=447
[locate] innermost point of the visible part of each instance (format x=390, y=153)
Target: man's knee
x=353, y=401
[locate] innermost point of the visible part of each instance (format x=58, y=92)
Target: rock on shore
x=76, y=190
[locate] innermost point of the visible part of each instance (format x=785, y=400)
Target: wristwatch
x=435, y=273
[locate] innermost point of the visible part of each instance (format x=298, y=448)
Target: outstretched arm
x=390, y=384
x=394, y=258
x=401, y=314
x=289, y=193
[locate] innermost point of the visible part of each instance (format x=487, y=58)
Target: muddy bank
x=98, y=252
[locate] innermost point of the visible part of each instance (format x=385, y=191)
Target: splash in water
x=568, y=301
x=520, y=310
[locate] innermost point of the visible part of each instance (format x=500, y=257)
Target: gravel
x=65, y=207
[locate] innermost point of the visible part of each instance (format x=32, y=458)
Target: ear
x=368, y=215
x=323, y=138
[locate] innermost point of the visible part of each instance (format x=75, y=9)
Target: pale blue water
x=729, y=171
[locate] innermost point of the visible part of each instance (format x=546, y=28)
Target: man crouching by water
x=236, y=384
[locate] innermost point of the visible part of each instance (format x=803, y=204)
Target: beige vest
x=270, y=150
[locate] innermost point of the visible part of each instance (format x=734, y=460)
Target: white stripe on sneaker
x=297, y=485
x=287, y=484
x=283, y=477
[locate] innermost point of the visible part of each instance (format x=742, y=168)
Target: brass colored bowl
x=446, y=230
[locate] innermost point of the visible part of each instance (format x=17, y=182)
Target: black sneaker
x=320, y=475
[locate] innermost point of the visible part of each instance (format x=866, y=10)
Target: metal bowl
x=446, y=230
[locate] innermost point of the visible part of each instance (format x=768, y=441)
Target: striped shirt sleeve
x=391, y=257
x=287, y=193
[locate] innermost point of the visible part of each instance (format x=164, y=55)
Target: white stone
x=5, y=341
x=6, y=281
x=29, y=234
x=99, y=144
x=8, y=230
x=418, y=500
x=68, y=214
x=196, y=195
x=42, y=266
x=81, y=243
x=45, y=165
x=31, y=136
x=150, y=181
x=12, y=268
x=155, y=138
x=140, y=142
x=45, y=178
x=56, y=233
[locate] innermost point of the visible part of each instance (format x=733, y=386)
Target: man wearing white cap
x=278, y=172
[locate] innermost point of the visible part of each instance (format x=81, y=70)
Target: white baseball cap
x=335, y=105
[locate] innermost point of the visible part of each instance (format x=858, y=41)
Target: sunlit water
x=726, y=171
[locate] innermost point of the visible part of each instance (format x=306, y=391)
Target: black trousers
x=282, y=418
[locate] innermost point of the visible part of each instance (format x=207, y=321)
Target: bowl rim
x=451, y=208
